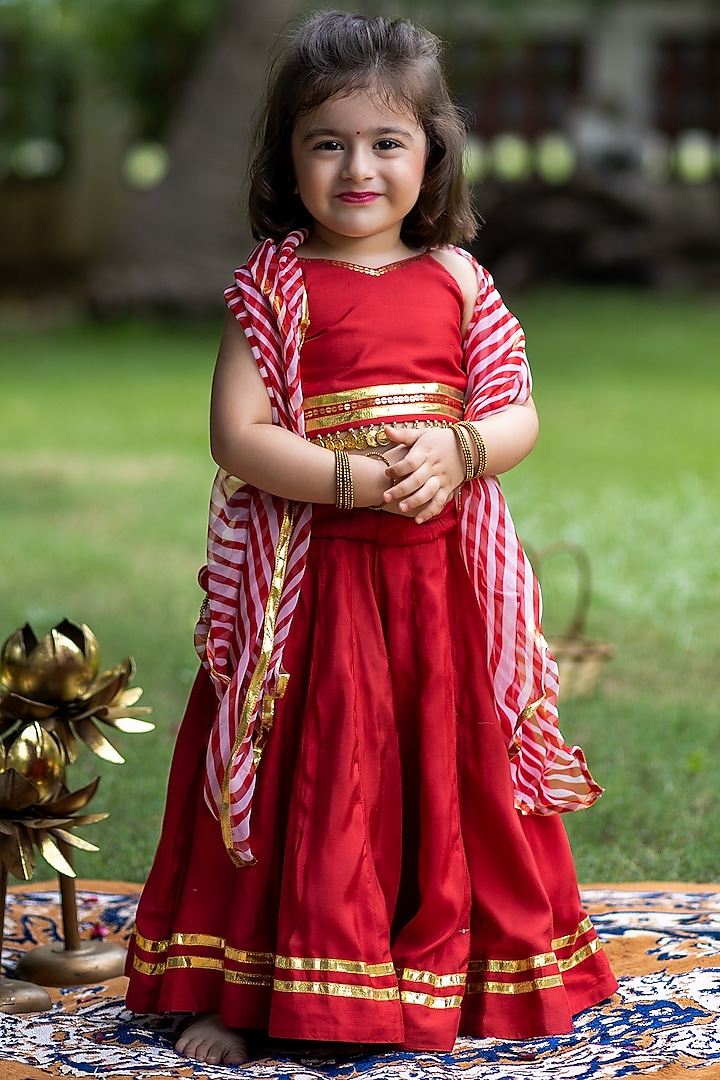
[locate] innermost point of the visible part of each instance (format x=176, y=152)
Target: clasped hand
x=426, y=467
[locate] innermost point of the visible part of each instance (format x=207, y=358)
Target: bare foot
x=208, y=1039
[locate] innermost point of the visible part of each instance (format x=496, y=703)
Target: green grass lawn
x=104, y=481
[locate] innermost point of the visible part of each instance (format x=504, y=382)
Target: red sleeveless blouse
x=382, y=345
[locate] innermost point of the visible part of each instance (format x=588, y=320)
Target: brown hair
x=335, y=54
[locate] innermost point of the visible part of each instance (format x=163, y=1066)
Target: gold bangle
x=465, y=451
x=382, y=457
x=479, y=443
x=344, y=491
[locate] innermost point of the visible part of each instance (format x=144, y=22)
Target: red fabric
x=398, y=896
x=254, y=560
x=415, y=310
x=383, y=827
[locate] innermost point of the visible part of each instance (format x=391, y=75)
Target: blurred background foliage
x=594, y=142
x=142, y=48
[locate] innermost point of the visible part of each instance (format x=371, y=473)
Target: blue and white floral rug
x=663, y=942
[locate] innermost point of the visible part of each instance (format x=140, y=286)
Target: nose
x=358, y=163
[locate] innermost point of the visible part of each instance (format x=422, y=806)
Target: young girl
x=362, y=841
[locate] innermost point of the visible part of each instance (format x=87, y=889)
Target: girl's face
x=359, y=166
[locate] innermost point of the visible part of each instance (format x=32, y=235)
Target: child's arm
x=246, y=443
x=433, y=467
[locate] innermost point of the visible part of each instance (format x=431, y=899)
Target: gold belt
x=370, y=436
x=381, y=404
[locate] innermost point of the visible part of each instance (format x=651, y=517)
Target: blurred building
x=594, y=151
x=596, y=140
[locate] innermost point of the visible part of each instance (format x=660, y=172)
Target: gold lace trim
x=371, y=271
x=382, y=404
x=371, y=436
x=547, y=982
x=477, y=980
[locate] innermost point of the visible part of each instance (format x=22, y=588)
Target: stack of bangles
x=344, y=491
x=464, y=432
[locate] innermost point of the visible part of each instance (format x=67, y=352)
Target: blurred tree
x=142, y=48
x=79, y=83
x=178, y=244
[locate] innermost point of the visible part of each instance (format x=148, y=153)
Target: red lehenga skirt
x=398, y=897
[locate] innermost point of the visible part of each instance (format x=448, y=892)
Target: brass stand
x=16, y=996
x=72, y=962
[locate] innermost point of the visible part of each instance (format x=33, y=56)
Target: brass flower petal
x=41, y=823
x=89, y=819
x=71, y=839
x=38, y=756
x=65, y=735
x=17, y=855
x=52, y=855
x=14, y=656
x=16, y=707
x=71, y=801
x=109, y=684
x=83, y=637
x=130, y=725
x=16, y=792
x=115, y=710
x=128, y=698
x=28, y=849
x=97, y=742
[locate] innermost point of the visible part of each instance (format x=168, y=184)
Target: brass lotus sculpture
x=36, y=808
x=56, y=683
x=53, y=697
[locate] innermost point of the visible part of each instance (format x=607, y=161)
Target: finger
x=395, y=454
x=393, y=508
x=403, y=436
x=434, y=507
x=430, y=510
x=423, y=494
x=410, y=465
x=406, y=486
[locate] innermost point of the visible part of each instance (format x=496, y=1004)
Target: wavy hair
x=335, y=54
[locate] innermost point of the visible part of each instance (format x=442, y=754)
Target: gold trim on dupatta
x=258, y=676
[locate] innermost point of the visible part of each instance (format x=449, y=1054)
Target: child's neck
x=376, y=250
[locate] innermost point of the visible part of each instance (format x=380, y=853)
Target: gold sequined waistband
x=369, y=436
x=382, y=403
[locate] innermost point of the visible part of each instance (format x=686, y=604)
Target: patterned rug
x=663, y=941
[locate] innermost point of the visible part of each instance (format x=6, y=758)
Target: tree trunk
x=179, y=243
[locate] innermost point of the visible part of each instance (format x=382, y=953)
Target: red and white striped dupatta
x=257, y=548
x=548, y=776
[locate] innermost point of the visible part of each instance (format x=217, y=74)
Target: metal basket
x=580, y=660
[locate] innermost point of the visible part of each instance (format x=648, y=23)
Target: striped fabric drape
x=257, y=547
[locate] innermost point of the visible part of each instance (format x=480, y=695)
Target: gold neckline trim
x=371, y=271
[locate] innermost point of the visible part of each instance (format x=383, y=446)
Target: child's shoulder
x=465, y=271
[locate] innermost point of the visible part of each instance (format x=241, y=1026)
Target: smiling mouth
x=358, y=196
